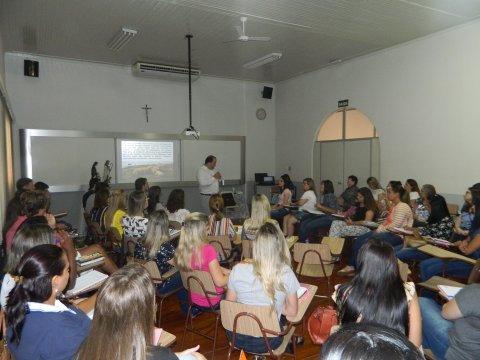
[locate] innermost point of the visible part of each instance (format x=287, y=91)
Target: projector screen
x=156, y=160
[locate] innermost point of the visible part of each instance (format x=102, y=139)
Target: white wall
x=421, y=96
x=74, y=95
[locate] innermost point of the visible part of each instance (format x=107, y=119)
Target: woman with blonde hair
x=157, y=247
x=267, y=281
x=115, y=212
x=261, y=211
x=195, y=253
x=128, y=298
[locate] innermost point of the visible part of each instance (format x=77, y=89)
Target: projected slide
x=156, y=160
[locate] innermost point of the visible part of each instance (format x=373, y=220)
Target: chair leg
x=186, y=324
x=215, y=335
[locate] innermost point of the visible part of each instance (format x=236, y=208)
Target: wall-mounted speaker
x=30, y=68
x=267, y=92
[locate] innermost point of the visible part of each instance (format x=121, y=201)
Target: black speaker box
x=267, y=92
x=30, y=68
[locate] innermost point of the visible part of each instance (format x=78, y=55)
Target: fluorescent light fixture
x=121, y=38
x=262, y=61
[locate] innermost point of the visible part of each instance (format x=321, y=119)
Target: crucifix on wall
x=146, y=108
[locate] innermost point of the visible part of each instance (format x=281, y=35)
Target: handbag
x=320, y=322
x=4, y=352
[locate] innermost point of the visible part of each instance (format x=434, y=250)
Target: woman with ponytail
x=39, y=325
x=267, y=281
x=218, y=224
x=399, y=216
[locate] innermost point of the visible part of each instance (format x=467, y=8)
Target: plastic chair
x=200, y=282
x=258, y=321
x=314, y=260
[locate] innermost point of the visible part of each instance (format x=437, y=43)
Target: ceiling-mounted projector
x=191, y=131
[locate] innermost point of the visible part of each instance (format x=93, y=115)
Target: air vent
x=164, y=71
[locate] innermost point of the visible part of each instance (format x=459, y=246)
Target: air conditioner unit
x=164, y=71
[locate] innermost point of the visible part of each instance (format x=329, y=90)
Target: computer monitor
x=268, y=180
x=259, y=177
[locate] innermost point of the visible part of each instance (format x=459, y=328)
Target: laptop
x=228, y=199
x=268, y=180
x=259, y=177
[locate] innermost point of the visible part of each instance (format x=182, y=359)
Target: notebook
x=449, y=291
x=87, y=281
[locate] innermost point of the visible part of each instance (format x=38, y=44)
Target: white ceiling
x=309, y=33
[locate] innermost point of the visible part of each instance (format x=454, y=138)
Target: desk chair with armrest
x=258, y=321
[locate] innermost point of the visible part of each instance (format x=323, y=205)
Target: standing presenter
x=208, y=181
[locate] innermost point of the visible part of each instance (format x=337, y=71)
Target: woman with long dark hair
x=285, y=197
x=365, y=211
x=39, y=325
x=399, y=216
x=176, y=206
x=378, y=294
x=469, y=247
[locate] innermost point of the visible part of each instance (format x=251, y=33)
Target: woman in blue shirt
x=39, y=325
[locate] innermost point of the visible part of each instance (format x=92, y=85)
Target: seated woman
x=378, y=294
x=452, y=331
x=154, y=195
x=440, y=224
x=463, y=223
x=284, y=199
x=327, y=204
x=366, y=210
x=30, y=236
x=218, y=224
x=267, y=281
x=259, y=216
x=175, y=208
x=399, y=216
x=134, y=223
x=195, y=253
x=361, y=341
x=412, y=190
x=306, y=204
x=114, y=215
x=127, y=298
x=157, y=247
x=377, y=191
x=39, y=325
x=469, y=247
x=100, y=206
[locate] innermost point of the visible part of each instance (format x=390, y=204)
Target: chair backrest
x=152, y=269
x=404, y=270
x=311, y=252
x=247, y=325
x=224, y=240
x=199, y=282
x=247, y=246
x=129, y=244
x=452, y=209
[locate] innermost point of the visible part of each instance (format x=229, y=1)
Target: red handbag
x=320, y=322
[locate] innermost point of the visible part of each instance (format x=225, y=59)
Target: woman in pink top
x=195, y=253
x=399, y=216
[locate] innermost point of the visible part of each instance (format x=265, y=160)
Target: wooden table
x=303, y=304
x=445, y=254
x=335, y=244
x=166, y=339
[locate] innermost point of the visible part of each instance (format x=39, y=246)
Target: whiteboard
x=68, y=160
x=63, y=158
x=228, y=154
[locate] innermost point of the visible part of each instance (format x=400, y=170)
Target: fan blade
x=259, y=38
x=239, y=30
x=230, y=41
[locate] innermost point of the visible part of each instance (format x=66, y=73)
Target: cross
x=146, y=108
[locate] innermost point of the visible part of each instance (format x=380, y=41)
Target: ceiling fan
x=243, y=37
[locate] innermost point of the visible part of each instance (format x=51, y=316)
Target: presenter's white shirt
x=207, y=184
x=309, y=205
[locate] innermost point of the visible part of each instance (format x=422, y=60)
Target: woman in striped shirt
x=218, y=224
